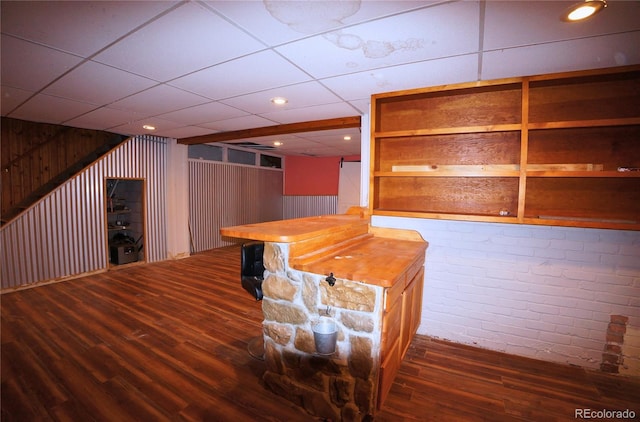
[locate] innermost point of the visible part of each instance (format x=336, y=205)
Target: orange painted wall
x=312, y=175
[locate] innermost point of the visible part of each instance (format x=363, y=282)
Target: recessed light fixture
x=583, y=10
x=279, y=100
x=347, y=137
x=148, y=127
x=277, y=143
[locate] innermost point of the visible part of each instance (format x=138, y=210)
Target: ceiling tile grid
x=193, y=68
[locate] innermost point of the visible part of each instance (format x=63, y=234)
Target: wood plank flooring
x=167, y=342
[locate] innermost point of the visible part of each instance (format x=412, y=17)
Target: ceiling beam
x=316, y=125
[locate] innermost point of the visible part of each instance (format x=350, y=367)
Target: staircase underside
x=47, y=187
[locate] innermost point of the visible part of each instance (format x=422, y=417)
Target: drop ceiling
x=194, y=68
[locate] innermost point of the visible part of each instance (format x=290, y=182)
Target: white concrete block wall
x=535, y=291
x=631, y=352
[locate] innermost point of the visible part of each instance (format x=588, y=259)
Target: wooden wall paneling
x=35, y=154
x=603, y=145
x=606, y=198
x=589, y=97
x=473, y=195
x=455, y=108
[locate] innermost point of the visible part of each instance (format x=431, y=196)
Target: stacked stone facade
x=340, y=386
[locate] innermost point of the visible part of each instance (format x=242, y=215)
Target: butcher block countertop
x=342, y=244
x=296, y=229
x=376, y=260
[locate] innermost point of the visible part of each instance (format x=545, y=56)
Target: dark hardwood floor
x=167, y=341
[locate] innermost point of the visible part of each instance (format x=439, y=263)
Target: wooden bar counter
x=367, y=280
x=296, y=229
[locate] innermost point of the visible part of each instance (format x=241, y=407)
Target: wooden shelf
x=614, y=174
x=547, y=145
x=445, y=173
x=584, y=123
x=448, y=216
x=449, y=131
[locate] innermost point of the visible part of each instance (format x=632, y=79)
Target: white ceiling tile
x=363, y=105
x=256, y=19
x=320, y=112
x=255, y=72
x=80, y=27
x=136, y=127
x=414, y=75
x=104, y=118
x=203, y=113
x=196, y=38
x=239, y=123
x=590, y=53
x=186, y=132
x=319, y=143
x=297, y=144
x=98, y=84
x=510, y=23
x=12, y=98
x=335, y=145
x=332, y=133
x=30, y=66
x=51, y=109
x=300, y=95
x=277, y=22
x=336, y=52
x=159, y=100
x=405, y=38
x=269, y=140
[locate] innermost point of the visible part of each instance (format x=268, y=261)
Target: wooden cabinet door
x=388, y=371
x=411, y=311
x=399, y=324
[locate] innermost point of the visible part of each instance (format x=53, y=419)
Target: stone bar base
x=341, y=386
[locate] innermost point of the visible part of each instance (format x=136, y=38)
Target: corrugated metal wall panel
x=222, y=195
x=156, y=193
x=64, y=234
x=309, y=206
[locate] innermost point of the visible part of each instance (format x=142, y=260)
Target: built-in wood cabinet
x=559, y=149
x=403, y=309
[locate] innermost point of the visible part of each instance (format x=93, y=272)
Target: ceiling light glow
x=347, y=138
x=581, y=11
x=279, y=100
x=148, y=127
x=277, y=143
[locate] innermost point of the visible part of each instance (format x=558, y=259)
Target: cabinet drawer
x=413, y=270
x=393, y=294
x=388, y=371
x=391, y=324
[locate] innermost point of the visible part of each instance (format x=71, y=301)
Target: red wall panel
x=312, y=175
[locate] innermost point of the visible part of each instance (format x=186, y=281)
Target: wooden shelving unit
x=560, y=149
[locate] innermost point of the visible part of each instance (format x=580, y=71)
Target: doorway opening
x=125, y=220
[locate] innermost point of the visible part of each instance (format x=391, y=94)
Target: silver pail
x=325, y=334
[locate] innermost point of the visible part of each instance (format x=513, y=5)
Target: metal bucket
x=325, y=334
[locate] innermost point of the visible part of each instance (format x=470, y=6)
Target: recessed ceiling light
x=277, y=143
x=584, y=10
x=279, y=100
x=347, y=138
x=148, y=127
